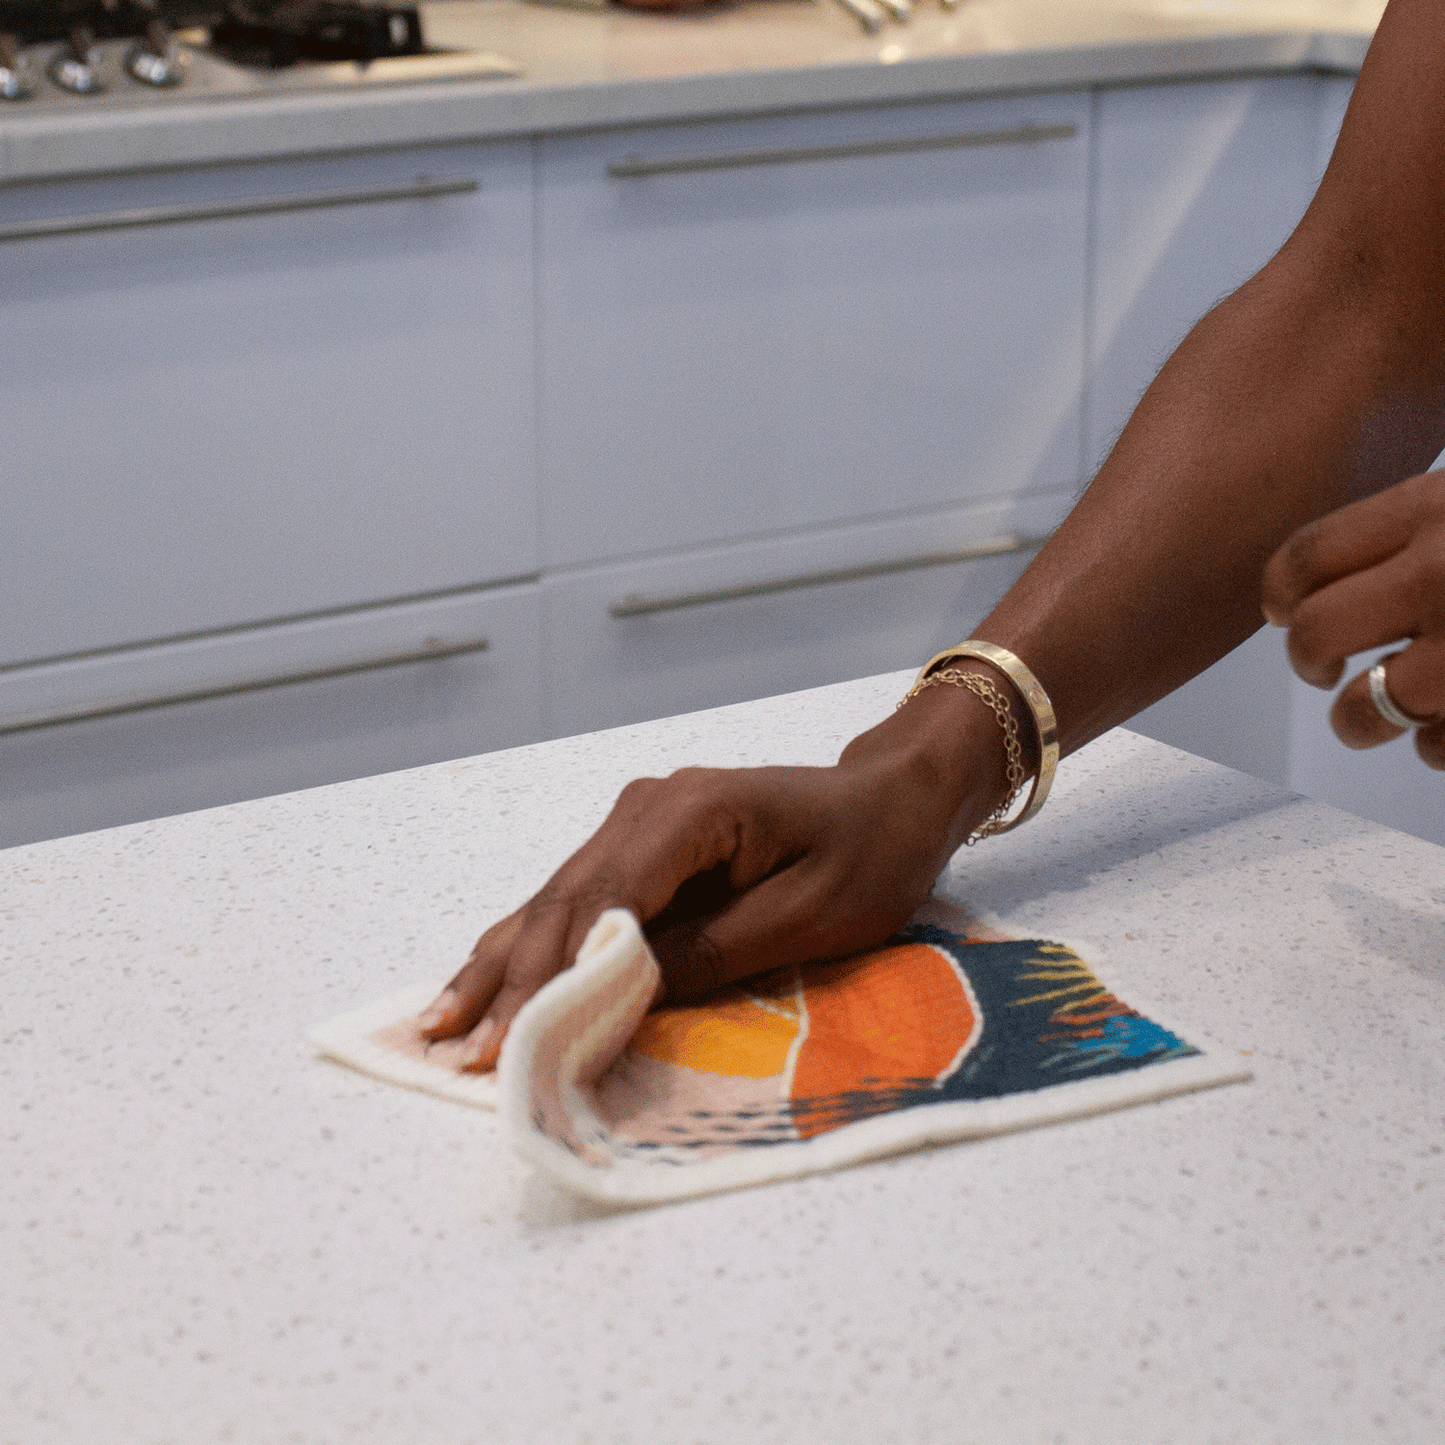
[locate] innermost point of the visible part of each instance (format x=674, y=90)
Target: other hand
x=1362, y=577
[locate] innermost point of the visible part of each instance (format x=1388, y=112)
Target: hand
x=1362, y=577
x=741, y=870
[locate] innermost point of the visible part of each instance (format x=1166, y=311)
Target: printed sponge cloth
x=949, y=1031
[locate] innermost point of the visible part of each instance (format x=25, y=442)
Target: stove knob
x=77, y=67
x=157, y=60
x=14, y=82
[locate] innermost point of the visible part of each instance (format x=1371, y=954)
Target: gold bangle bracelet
x=1037, y=701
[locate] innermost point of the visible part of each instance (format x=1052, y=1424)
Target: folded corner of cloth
x=564, y=1037
x=949, y=1031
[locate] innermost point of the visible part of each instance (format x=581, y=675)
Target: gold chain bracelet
x=986, y=693
x=939, y=669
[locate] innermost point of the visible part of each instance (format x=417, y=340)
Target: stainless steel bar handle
x=637, y=605
x=420, y=190
x=636, y=166
x=230, y=689
x=870, y=14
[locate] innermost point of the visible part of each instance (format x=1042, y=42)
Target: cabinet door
x=639, y=640
x=344, y=697
x=253, y=392
x=1198, y=185
x=781, y=323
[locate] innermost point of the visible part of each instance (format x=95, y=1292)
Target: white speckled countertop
x=583, y=70
x=208, y=1235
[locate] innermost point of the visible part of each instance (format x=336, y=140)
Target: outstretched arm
x=1320, y=382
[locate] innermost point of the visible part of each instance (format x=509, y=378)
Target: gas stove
x=54, y=52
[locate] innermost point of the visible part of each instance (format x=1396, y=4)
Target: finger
x=565, y=908
x=1355, y=718
x=1430, y=744
x=1415, y=681
x=702, y=837
x=1348, y=540
x=1366, y=609
x=658, y=836
x=459, y=1006
x=539, y=952
x=1415, y=678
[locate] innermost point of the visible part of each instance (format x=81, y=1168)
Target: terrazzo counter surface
x=585, y=70
x=210, y=1235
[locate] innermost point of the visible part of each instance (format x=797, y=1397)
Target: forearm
x=1321, y=381
x=1285, y=402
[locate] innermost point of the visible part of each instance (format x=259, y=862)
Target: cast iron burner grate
x=263, y=33
x=276, y=36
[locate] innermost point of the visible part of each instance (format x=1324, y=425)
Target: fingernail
x=478, y=1043
x=437, y=1010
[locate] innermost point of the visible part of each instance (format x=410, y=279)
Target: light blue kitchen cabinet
x=1197, y=185
x=287, y=500
x=269, y=492
x=770, y=325
x=217, y=718
x=244, y=393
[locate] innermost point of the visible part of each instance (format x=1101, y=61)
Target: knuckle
x=573, y=894
x=695, y=782
x=639, y=793
x=547, y=899
x=523, y=979
x=683, y=788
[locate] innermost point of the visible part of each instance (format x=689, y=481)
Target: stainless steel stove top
x=87, y=54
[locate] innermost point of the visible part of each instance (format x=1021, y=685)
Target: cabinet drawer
x=251, y=392
x=314, y=702
x=696, y=630
x=785, y=323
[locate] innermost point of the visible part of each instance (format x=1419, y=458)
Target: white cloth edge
x=615, y=963
x=854, y=1143
x=347, y=1040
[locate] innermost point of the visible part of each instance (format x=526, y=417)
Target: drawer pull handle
x=436, y=653
x=635, y=605
x=421, y=190
x=635, y=166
